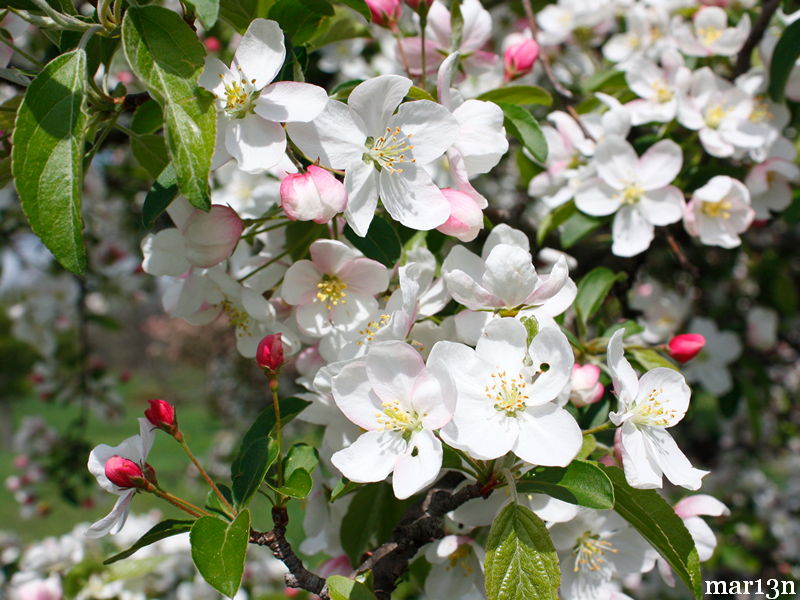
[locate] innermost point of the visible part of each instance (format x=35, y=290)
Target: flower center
x=662, y=92
x=395, y=418
x=715, y=116
x=760, y=112
x=507, y=393
x=236, y=316
x=372, y=329
x=331, y=291
x=717, y=210
x=239, y=96
x=632, y=193
x=390, y=150
x=708, y=35
x=589, y=552
x=458, y=559
x=652, y=412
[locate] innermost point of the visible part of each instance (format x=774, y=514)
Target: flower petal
x=548, y=435
x=371, y=457
x=376, y=99
x=413, y=473
x=256, y=144
x=261, y=52
x=291, y=101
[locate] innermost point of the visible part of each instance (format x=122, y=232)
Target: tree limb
x=756, y=33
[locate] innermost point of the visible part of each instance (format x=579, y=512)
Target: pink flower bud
x=414, y=4
x=586, y=386
x=210, y=237
x=313, y=196
x=466, y=217
x=685, y=347
x=212, y=44
x=122, y=472
x=162, y=415
x=519, y=58
x=269, y=354
x=384, y=12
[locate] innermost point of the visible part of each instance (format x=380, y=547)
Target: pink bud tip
x=415, y=4
x=685, y=347
x=519, y=58
x=269, y=354
x=162, y=415
x=466, y=217
x=313, y=196
x=212, y=44
x=121, y=472
x=384, y=12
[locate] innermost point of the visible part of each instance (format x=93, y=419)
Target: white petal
x=376, y=99
x=660, y=165
x=334, y=137
x=214, y=75
x=632, y=233
x=165, y=253
x=361, y=183
x=371, y=457
x=434, y=396
x=364, y=276
x=414, y=473
x=413, y=199
x=641, y=470
x=664, y=206
x=550, y=347
x=704, y=539
x=548, y=435
x=291, y=101
x=392, y=368
x=594, y=197
x=616, y=162
x=300, y=283
x=115, y=520
x=503, y=344
x=432, y=127
x=256, y=144
x=261, y=52
x=670, y=389
x=332, y=256
x=626, y=383
x=353, y=394
x=671, y=460
x=480, y=430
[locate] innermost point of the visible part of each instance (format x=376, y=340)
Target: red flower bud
x=414, y=4
x=384, y=12
x=269, y=354
x=685, y=347
x=162, y=415
x=122, y=472
x=519, y=58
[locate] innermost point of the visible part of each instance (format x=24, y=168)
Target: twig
x=678, y=252
x=756, y=33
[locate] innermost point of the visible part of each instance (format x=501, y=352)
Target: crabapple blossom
x=664, y=310
x=636, y=188
x=312, y=196
x=333, y=290
x=457, y=568
x=769, y=182
x=585, y=385
x=161, y=415
x=466, y=217
x=385, y=12
x=250, y=107
x=519, y=58
x=710, y=35
x=113, y=467
x=686, y=346
x=505, y=402
x=690, y=509
x=658, y=88
x=400, y=402
x=647, y=407
x=719, y=211
x=382, y=152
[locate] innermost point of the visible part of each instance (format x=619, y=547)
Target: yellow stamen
x=331, y=291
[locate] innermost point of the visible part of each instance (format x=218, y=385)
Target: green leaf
x=265, y=421
x=300, y=456
x=359, y=6
x=240, y=13
x=521, y=562
x=381, y=242
x=786, y=53
x=157, y=532
x=250, y=468
x=206, y=10
x=148, y=118
x=592, y=291
x=651, y=516
x=15, y=76
x=215, y=505
x=8, y=112
x=531, y=328
x=343, y=25
x=577, y=227
x=300, y=235
x=166, y=55
x=417, y=93
x=650, y=359
x=160, y=196
x=218, y=551
x=519, y=123
x=518, y=94
x=343, y=588
x=370, y=518
x=297, y=485
x=300, y=21
x=151, y=152
x=553, y=219
x=582, y=483
x=343, y=487
x=47, y=157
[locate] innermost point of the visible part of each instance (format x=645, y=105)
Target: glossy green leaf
x=343, y=487
x=215, y=505
x=240, y=13
x=553, y=219
x=343, y=25
x=167, y=57
x=250, y=468
x=577, y=227
x=47, y=157
x=381, y=242
x=151, y=152
x=300, y=456
x=206, y=10
x=784, y=57
x=655, y=519
x=147, y=118
x=370, y=518
x=265, y=421
x=592, y=291
x=582, y=483
x=417, y=93
x=344, y=588
x=519, y=123
x=650, y=359
x=157, y=532
x=301, y=21
x=359, y=6
x=521, y=562
x=163, y=191
x=218, y=551
x=297, y=485
x=519, y=94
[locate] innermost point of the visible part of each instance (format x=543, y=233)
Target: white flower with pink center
x=709, y=34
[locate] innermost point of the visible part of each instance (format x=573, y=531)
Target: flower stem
x=203, y=473
x=273, y=385
x=603, y=427
x=185, y=506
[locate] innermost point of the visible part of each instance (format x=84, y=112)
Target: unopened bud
x=466, y=217
x=123, y=472
x=313, y=196
x=269, y=354
x=685, y=347
x=415, y=4
x=519, y=58
x=586, y=386
x=210, y=237
x=384, y=12
x=161, y=414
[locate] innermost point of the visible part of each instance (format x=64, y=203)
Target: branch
x=756, y=33
x=298, y=576
x=421, y=525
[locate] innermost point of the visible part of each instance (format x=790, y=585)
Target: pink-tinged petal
x=371, y=457
x=165, y=253
x=594, y=197
x=466, y=216
x=704, y=539
x=550, y=347
x=364, y=276
x=641, y=471
x=617, y=162
x=419, y=466
x=256, y=144
x=411, y=47
x=626, y=383
x=211, y=237
x=632, y=233
x=300, y=283
x=671, y=460
x=115, y=520
x=585, y=376
x=261, y=52
x=355, y=397
x=664, y=206
x=392, y=368
x=412, y=198
x=291, y=101
x=660, y=165
x=551, y=284
x=444, y=80
x=376, y=99
x=331, y=256
x=434, y=396
x=361, y=184
x=477, y=26
x=700, y=504
x=548, y=435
